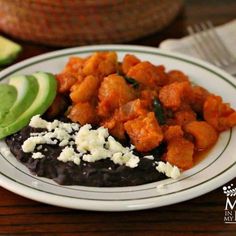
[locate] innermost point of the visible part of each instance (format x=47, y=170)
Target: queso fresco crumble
x=91, y=145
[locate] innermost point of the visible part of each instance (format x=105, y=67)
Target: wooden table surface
x=200, y=216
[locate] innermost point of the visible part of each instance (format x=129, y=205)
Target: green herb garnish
x=159, y=113
x=132, y=81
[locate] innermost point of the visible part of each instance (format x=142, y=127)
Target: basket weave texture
x=81, y=22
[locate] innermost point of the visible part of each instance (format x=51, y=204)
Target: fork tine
x=221, y=46
x=197, y=44
x=212, y=45
x=201, y=45
x=209, y=46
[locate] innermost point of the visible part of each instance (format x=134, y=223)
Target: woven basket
x=80, y=22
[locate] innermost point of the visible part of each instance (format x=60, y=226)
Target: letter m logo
x=230, y=204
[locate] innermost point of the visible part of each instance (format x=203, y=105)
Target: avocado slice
x=8, y=51
x=27, y=89
x=45, y=96
x=8, y=95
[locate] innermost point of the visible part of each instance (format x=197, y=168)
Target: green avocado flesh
x=8, y=51
x=27, y=89
x=44, y=97
x=8, y=95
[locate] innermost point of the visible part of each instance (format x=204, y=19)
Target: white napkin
x=227, y=33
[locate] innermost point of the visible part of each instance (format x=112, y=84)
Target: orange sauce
x=200, y=155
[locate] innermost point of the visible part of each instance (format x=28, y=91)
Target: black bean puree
x=102, y=173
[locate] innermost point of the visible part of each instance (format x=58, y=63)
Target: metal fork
x=210, y=47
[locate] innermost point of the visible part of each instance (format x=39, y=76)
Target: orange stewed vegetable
x=184, y=117
x=180, y=153
x=171, y=95
x=143, y=102
x=205, y=135
x=65, y=82
x=147, y=74
x=84, y=91
x=172, y=132
x=176, y=76
x=74, y=66
x=113, y=93
x=220, y=115
x=128, y=62
x=101, y=64
x=144, y=132
x=132, y=110
x=82, y=113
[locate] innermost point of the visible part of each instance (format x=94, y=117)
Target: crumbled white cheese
x=52, y=125
x=127, y=159
x=56, y=131
x=132, y=147
x=175, y=173
x=39, y=147
x=37, y=122
x=115, y=146
x=98, y=153
x=63, y=143
x=72, y=143
x=150, y=157
x=68, y=154
x=169, y=170
x=38, y=134
x=94, y=142
x=37, y=155
x=66, y=126
x=75, y=126
x=30, y=144
x=93, y=145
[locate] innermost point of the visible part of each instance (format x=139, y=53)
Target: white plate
x=215, y=170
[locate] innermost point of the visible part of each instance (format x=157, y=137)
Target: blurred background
x=82, y=22
x=43, y=25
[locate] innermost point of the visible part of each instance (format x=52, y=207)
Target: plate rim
x=116, y=205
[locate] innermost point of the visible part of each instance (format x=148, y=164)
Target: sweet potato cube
x=205, y=135
x=147, y=74
x=196, y=98
x=171, y=95
x=115, y=126
x=82, y=113
x=118, y=131
x=132, y=110
x=173, y=132
x=180, y=153
x=128, y=62
x=144, y=132
x=218, y=114
x=176, y=76
x=113, y=93
x=65, y=81
x=184, y=117
x=75, y=66
x=84, y=91
x=101, y=64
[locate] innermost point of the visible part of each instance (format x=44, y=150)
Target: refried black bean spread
x=46, y=160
